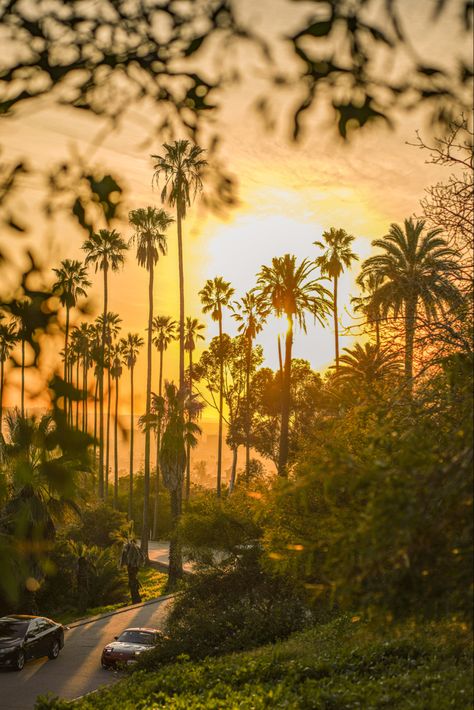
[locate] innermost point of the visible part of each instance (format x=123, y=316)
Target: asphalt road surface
x=77, y=670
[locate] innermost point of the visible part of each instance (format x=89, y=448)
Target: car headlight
x=137, y=653
x=108, y=650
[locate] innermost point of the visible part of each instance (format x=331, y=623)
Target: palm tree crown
x=164, y=329
x=366, y=364
x=416, y=268
x=215, y=295
x=413, y=265
x=180, y=170
x=338, y=253
x=131, y=346
x=192, y=333
x=150, y=225
x=250, y=313
x=289, y=289
x=71, y=282
x=105, y=250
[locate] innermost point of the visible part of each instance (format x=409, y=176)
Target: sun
x=237, y=251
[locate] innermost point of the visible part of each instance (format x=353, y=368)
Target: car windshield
x=12, y=629
x=143, y=637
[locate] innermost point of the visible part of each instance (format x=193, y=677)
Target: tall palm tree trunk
x=2, y=373
x=233, y=473
x=280, y=358
x=188, y=444
x=285, y=402
x=116, y=444
x=66, y=343
x=221, y=405
x=175, y=569
x=410, y=322
x=85, y=369
x=146, y=488
x=101, y=391
x=107, y=433
x=181, y=293
x=158, y=446
x=96, y=390
x=77, y=391
x=336, y=324
x=247, y=412
x=22, y=375
x=132, y=433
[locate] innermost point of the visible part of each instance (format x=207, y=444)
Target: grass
x=346, y=664
x=152, y=585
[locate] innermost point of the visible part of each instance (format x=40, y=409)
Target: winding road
x=77, y=670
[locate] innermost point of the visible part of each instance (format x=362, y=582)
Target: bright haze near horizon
x=288, y=194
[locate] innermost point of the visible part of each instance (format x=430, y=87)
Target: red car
x=129, y=645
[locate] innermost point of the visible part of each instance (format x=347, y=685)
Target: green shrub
x=100, y=525
x=231, y=609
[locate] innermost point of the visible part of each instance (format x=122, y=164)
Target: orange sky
x=288, y=195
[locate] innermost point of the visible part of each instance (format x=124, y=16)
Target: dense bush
x=343, y=665
x=99, y=582
x=231, y=609
x=99, y=525
x=380, y=513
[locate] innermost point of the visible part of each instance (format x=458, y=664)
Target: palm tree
x=366, y=365
x=215, y=296
x=70, y=285
x=164, y=329
x=106, y=251
x=179, y=170
x=178, y=434
x=289, y=289
x=192, y=334
x=367, y=305
x=150, y=225
x=131, y=346
x=116, y=354
x=415, y=269
x=8, y=339
x=250, y=313
x=338, y=255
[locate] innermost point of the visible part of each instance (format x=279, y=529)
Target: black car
x=25, y=637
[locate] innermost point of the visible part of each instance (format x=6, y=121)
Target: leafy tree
x=164, y=329
x=250, y=313
x=8, y=339
x=215, y=296
x=308, y=404
x=70, y=285
x=43, y=463
x=338, y=254
x=416, y=269
x=192, y=334
x=180, y=172
x=150, y=225
x=106, y=251
x=131, y=347
x=289, y=289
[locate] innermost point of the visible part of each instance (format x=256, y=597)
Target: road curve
x=77, y=670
